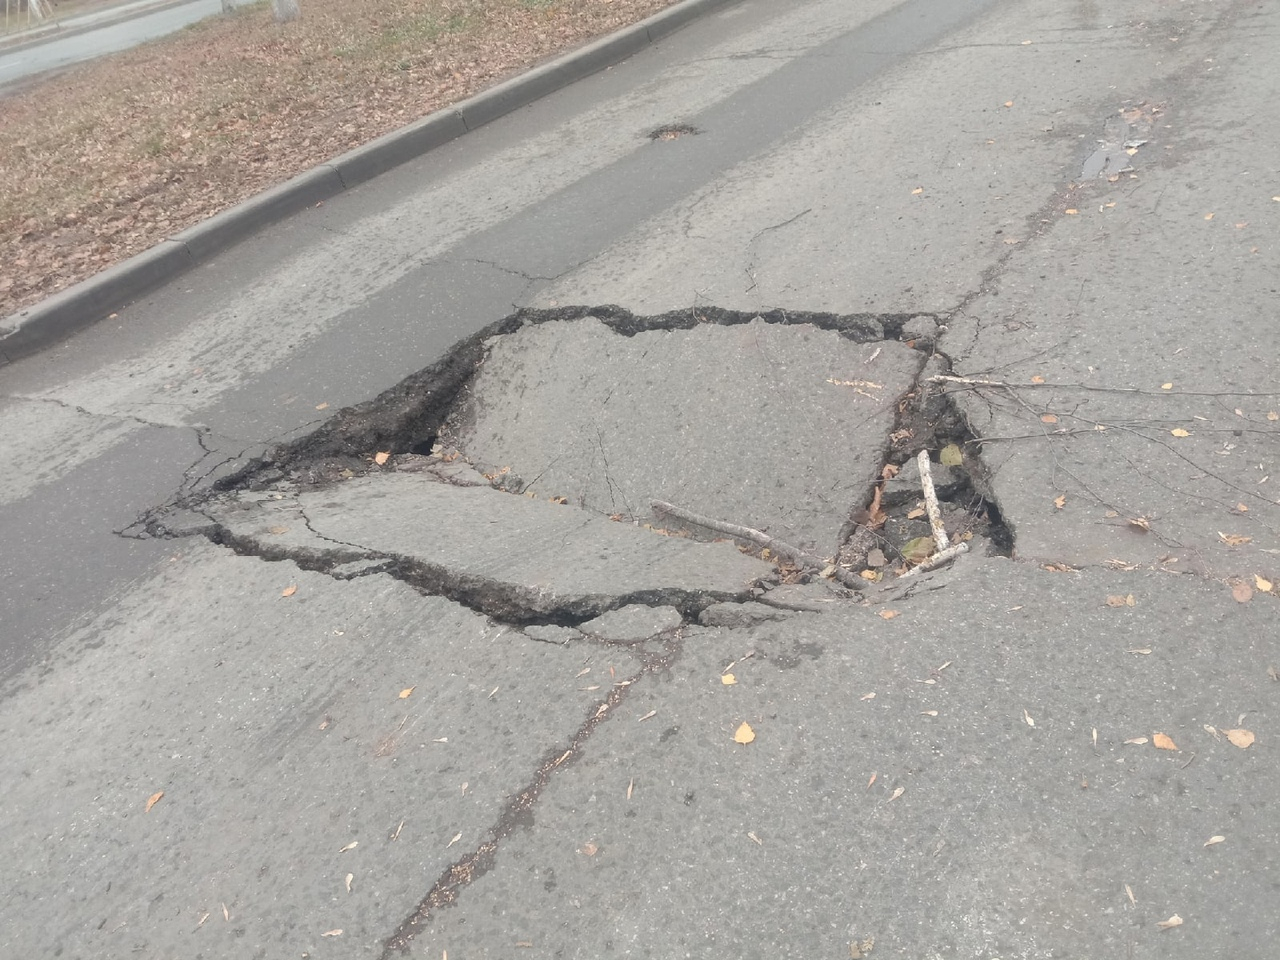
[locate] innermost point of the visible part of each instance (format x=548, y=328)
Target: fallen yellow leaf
x=1037, y=379
x=1179, y=432
x=1162, y=741
x=1008, y=103
x=332, y=933
x=888, y=614
x=289, y=591
x=322, y=406
x=404, y=694
x=728, y=679
x=1118, y=601
x=744, y=733
x=1263, y=585
x=1212, y=840
x=1072, y=211
x=1174, y=921
x=1241, y=738
x=1272, y=415
x=1166, y=386
x=951, y=455
x=917, y=190
x=381, y=457
x=1208, y=216
x=1060, y=501
x=1234, y=539
x=154, y=799
x=915, y=514
x=1137, y=740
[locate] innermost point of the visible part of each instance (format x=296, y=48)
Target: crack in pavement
x=520, y=807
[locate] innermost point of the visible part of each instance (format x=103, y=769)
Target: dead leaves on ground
x=1240, y=738
x=1118, y=601
x=744, y=734
x=153, y=800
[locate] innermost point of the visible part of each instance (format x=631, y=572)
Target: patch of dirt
x=104, y=160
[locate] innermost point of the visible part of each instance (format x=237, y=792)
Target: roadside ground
x=108, y=158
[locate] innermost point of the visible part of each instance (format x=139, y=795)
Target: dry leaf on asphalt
x=1214, y=840
x=1233, y=539
x=1162, y=741
x=350, y=846
x=1179, y=432
x=1060, y=501
x=322, y=406
x=289, y=591
x=1241, y=738
x=917, y=190
x=1048, y=418
x=897, y=792
x=407, y=691
x=1174, y=921
x=590, y=849
x=350, y=877
x=1242, y=592
x=381, y=457
x=1037, y=379
x=332, y=933
x=728, y=679
x=1027, y=717
x=1137, y=740
x=1125, y=601
x=887, y=614
x=744, y=733
x=1166, y=386
x=1263, y=586
x=153, y=800
x=650, y=715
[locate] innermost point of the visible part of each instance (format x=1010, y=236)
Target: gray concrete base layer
x=510, y=555
x=781, y=428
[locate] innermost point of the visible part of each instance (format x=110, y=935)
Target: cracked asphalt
x=338, y=618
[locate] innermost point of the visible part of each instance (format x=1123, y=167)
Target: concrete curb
x=84, y=304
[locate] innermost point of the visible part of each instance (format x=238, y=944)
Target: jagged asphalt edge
x=84, y=304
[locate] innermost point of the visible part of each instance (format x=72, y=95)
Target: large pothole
x=785, y=424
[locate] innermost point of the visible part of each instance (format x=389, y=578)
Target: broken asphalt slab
x=778, y=427
x=514, y=558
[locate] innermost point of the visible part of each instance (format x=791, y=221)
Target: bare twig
x=1004, y=384
x=939, y=558
x=931, y=501
x=779, y=547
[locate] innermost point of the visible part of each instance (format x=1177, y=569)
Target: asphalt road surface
x=429, y=673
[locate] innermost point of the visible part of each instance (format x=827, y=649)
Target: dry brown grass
x=103, y=161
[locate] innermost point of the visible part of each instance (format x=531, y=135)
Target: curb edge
x=83, y=304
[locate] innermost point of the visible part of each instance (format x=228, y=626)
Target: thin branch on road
x=773, y=544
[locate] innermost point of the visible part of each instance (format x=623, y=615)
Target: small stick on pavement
x=779, y=547
x=939, y=558
x=931, y=502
